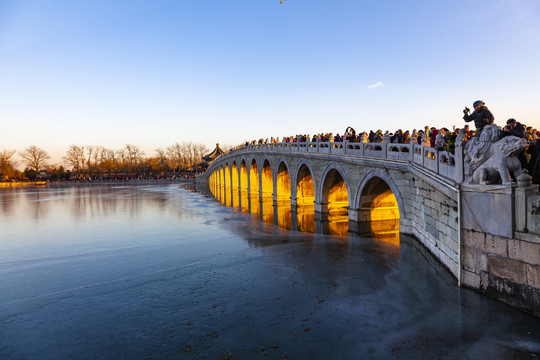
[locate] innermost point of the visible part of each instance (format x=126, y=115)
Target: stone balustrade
x=442, y=163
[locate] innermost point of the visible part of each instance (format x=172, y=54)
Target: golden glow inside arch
x=253, y=177
x=283, y=184
x=227, y=176
x=243, y=176
x=211, y=184
x=222, y=191
x=234, y=176
x=305, y=188
x=335, y=192
x=216, y=183
x=243, y=186
x=379, y=200
x=266, y=177
x=235, y=196
x=380, y=210
x=228, y=185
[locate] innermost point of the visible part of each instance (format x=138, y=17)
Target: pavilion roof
x=214, y=154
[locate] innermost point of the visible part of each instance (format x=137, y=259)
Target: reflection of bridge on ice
x=486, y=235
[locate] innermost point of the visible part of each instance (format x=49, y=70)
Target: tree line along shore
x=100, y=163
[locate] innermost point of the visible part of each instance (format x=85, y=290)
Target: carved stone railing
x=442, y=163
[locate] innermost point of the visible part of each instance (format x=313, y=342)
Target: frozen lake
x=162, y=272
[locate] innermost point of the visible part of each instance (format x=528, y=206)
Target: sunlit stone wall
x=432, y=214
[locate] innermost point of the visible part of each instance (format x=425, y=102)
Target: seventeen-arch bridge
x=487, y=236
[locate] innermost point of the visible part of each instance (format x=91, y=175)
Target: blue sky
x=152, y=73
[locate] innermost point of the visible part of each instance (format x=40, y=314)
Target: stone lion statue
x=489, y=159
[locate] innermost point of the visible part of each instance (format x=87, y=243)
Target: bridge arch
x=215, y=183
x=222, y=184
x=335, y=190
x=235, y=174
x=228, y=187
x=243, y=176
x=267, y=183
x=376, y=190
x=305, y=186
x=254, y=177
x=283, y=181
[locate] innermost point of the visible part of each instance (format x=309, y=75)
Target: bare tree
x=90, y=151
x=132, y=156
x=110, y=161
x=75, y=158
x=227, y=148
x=176, y=155
x=7, y=164
x=200, y=150
x=161, y=156
x=34, y=157
x=188, y=153
x=97, y=158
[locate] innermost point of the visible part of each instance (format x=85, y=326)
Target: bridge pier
x=353, y=214
x=321, y=207
x=294, y=220
x=294, y=204
x=321, y=216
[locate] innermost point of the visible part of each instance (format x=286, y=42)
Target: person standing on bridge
x=481, y=116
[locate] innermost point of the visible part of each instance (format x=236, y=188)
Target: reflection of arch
x=253, y=177
x=367, y=184
x=305, y=186
x=335, y=189
x=283, y=182
x=266, y=179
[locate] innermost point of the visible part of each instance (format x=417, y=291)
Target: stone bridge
x=487, y=236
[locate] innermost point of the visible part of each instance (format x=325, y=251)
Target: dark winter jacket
x=481, y=118
x=518, y=131
x=534, y=163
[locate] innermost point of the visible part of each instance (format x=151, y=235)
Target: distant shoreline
x=98, y=182
x=22, y=183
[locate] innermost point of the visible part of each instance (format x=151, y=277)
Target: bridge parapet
x=439, y=162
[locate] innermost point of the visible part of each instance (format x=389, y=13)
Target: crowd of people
x=441, y=139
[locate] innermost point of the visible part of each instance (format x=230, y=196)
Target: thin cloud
x=377, y=84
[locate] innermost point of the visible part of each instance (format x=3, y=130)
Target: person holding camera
x=513, y=128
x=481, y=115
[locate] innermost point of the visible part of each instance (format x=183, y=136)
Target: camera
x=466, y=110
